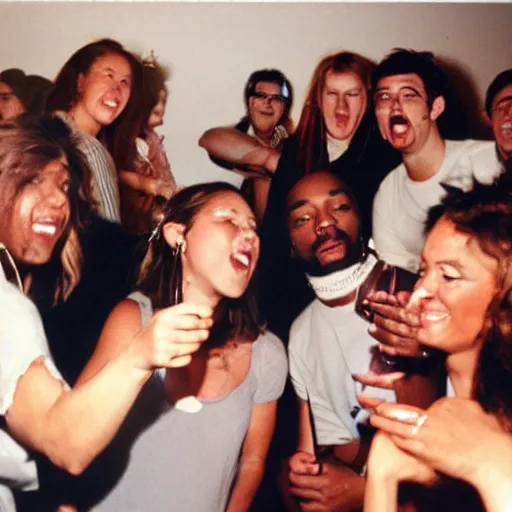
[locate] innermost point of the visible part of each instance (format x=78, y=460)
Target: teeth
x=242, y=258
x=110, y=103
x=47, y=229
x=435, y=317
x=506, y=126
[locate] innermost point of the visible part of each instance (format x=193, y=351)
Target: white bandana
x=342, y=282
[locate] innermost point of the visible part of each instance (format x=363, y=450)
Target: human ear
x=437, y=109
x=174, y=234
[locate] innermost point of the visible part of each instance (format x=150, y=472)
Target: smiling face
x=156, y=117
x=501, y=119
x=457, y=283
x=323, y=224
x=104, y=92
x=10, y=105
x=343, y=103
x=222, y=247
x=266, y=108
x=403, y=113
x=38, y=216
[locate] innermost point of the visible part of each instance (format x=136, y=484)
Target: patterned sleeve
x=272, y=368
x=22, y=341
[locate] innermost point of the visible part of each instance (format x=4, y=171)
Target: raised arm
x=241, y=150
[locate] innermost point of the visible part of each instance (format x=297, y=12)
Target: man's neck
x=426, y=162
x=340, y=301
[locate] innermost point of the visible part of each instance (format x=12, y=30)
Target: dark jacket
x=283, y=288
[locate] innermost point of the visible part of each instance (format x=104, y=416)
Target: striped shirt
x=105, y=186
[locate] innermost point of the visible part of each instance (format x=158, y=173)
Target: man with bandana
x=413, y=105
x=329, y=342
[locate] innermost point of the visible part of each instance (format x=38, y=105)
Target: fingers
x=187, y=308
x=380, y=296
x=384, y=380
x=368, y=402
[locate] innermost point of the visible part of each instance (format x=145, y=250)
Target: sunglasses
x=272, y=97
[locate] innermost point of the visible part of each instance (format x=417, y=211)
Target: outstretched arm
x=148, y=184
x=72, y=427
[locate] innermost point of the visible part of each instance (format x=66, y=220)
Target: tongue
x=399, y=129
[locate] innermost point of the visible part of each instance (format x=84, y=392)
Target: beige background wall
x=212, y=48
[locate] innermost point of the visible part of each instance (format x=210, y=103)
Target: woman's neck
x=84, y=121
x=196, y=295
x=462, y=368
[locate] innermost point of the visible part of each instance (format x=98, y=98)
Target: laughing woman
x=198, y=437
x=42, y=205
x=94, y=91
x=463, y=301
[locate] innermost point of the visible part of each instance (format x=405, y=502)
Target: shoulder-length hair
x=311, y=132
x=27, y=145
x=485, y=212
x=160, y=276
x=65, y=90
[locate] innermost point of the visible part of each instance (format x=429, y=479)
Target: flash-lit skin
x=316, y=205
x=223, y=230
x=501, y=121
x=10, y=105
x=103, y=93
x=343, y=103
x=457, y=283
x=157, y=114
x=43, y=202
x=266, y=113
x=420, y=143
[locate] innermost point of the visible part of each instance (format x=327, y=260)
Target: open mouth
x=47, y=227
x=432, y=317
x=506, y=129
x=341, y=119
x=398, y=125
x=241, y=260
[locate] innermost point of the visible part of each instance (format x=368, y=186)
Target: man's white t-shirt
x=327, y=346
x=401, y=205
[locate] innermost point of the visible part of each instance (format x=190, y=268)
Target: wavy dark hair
x=276, y=77
x=27, y=145
x=485, y=212
x=160, y=275
x=311, y=131
x=65, y=89
x=121, y=142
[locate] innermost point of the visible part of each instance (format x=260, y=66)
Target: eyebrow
x=129, y=75
x=332, y=193
x=504, y=100
x=452, y=263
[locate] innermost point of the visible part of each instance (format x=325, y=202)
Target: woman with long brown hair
x=96, y=89
x=201, y=432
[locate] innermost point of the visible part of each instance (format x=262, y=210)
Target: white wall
x=212, y=48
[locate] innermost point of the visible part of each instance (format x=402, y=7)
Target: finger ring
x=419, y=423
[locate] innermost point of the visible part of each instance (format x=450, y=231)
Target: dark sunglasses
x=272, y=97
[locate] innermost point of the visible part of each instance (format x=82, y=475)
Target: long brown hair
x=27, y=145
x=311, y=132
x=65, y=90
x=485, y=213
x=160, y=276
